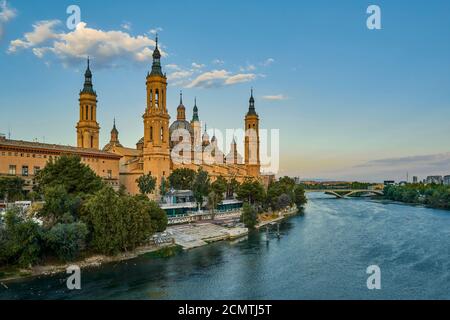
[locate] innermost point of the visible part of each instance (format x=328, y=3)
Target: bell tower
x=156, y=151
x=252, y=160
x=87, y=127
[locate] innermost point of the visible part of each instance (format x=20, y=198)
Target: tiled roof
x=55, y=148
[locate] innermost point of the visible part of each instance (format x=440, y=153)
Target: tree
x=158, y=216
x=163, y=187
x=68, y=171
x=119, y=223
x=249, y=216
x=11, y=188
x=299, y=196
x=251, y=191
x=67, y=240
x=59, y=206
x=20, y=240
x=219, y=187
x=182, y=179
x=146, y=184
x=283, y=201
x=232, y=187
x=201, y=186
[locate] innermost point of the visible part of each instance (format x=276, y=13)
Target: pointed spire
x=156, y=66
x=251, y=107
x=181, y=97
x=195, y=113
x=88, y=88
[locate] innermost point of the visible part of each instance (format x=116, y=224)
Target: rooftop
x=54, y=148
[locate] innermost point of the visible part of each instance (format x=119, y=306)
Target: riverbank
x=278, y=217
x=95, y=261
x=185, y=236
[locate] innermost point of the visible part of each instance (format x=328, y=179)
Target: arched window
x=162, y=134
x=156, y=98
x=151, y=133
x=86, y=114
x=92, y=141
x=151, y=97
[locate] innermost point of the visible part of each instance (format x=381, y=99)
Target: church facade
x=167, y=146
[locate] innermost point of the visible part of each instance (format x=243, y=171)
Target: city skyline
x=350, y=103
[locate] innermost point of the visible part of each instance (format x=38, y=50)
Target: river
x=322, y=254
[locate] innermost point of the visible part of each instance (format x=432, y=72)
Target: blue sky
x=350, y=103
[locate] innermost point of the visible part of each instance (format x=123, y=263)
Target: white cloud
x=277, y=97
x=218, y=78
x=172, y=66
x=238, y=78
x=268, y=62
x=249, y=67
x=156, y=30
x=197, y=65
x=126, y=25
x=108, y=48
x=42, y=32
x=6, y=14
x=177, y=75
x=218, y=61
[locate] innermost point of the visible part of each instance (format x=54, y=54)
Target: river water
x=322, y=254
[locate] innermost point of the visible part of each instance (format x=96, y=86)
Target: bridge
x=344, y=193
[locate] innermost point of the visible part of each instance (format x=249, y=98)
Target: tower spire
x=156, y=66
x=195, y=113
x=88, y=87
x=251, y=107
x=181, y=97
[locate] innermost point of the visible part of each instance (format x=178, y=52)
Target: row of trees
x=433, y=195
x=81, y=215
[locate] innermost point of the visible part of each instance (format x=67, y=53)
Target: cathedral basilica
x=167, y=146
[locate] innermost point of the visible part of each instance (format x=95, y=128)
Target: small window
x=36, y=170
x=109, y=174
x=25, y=171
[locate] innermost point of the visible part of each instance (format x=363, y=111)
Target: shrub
x=67, y=240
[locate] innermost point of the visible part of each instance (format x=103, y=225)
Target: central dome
x=179, y=125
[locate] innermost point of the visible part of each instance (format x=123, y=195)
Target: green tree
x=232, y=187
x=201, y=186
x=67, y=240
x=68, y=171
x=59, y=206
x=163, y=187
x=20, y=240
x=251, y=191
x=182, y=179
x=283, y=201
x=146, y=184
x=118, y=223
x=299, y=196
x=219, y=186
x=11, y=188
x=249, y=216
x=158, y=216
